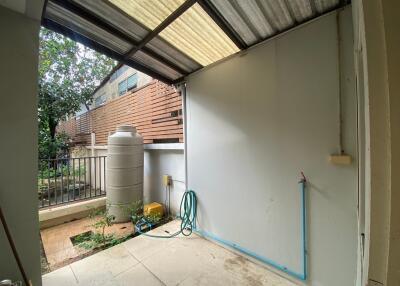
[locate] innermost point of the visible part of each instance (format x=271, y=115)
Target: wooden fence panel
x=155, y=110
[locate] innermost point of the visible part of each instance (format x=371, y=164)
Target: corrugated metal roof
x=170, y=39
x=323, y=5
x=81, y=26
x=197, y=35
x=154, y=64
x=194, y=32
x=123, y=21
x=166, y=50
x=148, y=12
x=300, y=10
x=114, y=17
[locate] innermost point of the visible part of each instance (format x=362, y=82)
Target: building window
x=122, y=87
x=127, y=84
x=132, y=81
x=100, y=100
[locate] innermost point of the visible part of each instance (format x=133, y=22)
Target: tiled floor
x=148, y=261
x=57, y=243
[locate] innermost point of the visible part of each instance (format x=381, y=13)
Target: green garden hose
x=187, y=214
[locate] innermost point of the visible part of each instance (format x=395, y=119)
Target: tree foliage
x=68, y=76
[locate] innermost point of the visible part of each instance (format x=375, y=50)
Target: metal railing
x=65, y=180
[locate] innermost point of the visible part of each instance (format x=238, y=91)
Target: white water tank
x=124, y=172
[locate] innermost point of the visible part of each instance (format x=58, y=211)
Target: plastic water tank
x=124, y=172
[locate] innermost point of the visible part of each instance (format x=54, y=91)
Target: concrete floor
x=148, y=261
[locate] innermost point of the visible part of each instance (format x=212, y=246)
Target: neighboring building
x=118, y=83
x=128, y=96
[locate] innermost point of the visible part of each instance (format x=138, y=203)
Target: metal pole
x=185, y=136
x=55, y=179
x=79, y=177
x=84, y=164
x=104, y=172
x=95, y=176
x=41, y=186
x=90, y=176
x=73, y=173
x=62, y=181
x=48, y=182
x=341, y=150
x=100, y=173
x=68, y=179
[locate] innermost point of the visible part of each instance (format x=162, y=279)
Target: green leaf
x=68, y=75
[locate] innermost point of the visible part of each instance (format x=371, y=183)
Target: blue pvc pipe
x=303, y=228
x=297, y=275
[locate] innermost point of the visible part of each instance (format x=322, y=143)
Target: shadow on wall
x=164, y=162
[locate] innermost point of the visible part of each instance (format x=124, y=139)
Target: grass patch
x=81, y=238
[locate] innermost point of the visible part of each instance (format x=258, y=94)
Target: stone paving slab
x=183, y=261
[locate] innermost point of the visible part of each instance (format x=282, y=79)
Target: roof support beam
x=172, y=17
x=222, y=23
x=90, y=17
x=102, y=49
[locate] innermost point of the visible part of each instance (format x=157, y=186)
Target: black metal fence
x=66, y=180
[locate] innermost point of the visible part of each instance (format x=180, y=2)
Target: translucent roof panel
x=194, y=32
x=198, y=36
x=191, y=38
x=148, y=12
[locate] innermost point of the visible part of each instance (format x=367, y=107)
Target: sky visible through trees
x=68, y=75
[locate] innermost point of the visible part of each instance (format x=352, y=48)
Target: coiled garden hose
x=187, y=214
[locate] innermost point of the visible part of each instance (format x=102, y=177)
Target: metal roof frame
x=50, y=24
x=87, y=15
x=140, y=45
x=222, y=23
x=164, y=24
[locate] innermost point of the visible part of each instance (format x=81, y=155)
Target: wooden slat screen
x=155, y=110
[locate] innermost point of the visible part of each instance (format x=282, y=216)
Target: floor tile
x=138, y=275
x=214, y=278
x=175, y=263
x=142, y=246
x=250, y=273
x=103, y=266
x=61, y=277
x=184, y=261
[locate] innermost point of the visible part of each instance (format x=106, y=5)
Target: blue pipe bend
x=297, y=275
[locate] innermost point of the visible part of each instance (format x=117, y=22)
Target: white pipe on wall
x=182, y=88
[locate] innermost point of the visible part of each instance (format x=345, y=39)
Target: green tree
x=68, y=76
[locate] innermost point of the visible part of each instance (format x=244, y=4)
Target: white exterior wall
x=18, y=144
x=159, y=162
x=258, y=119
x=164, y=162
